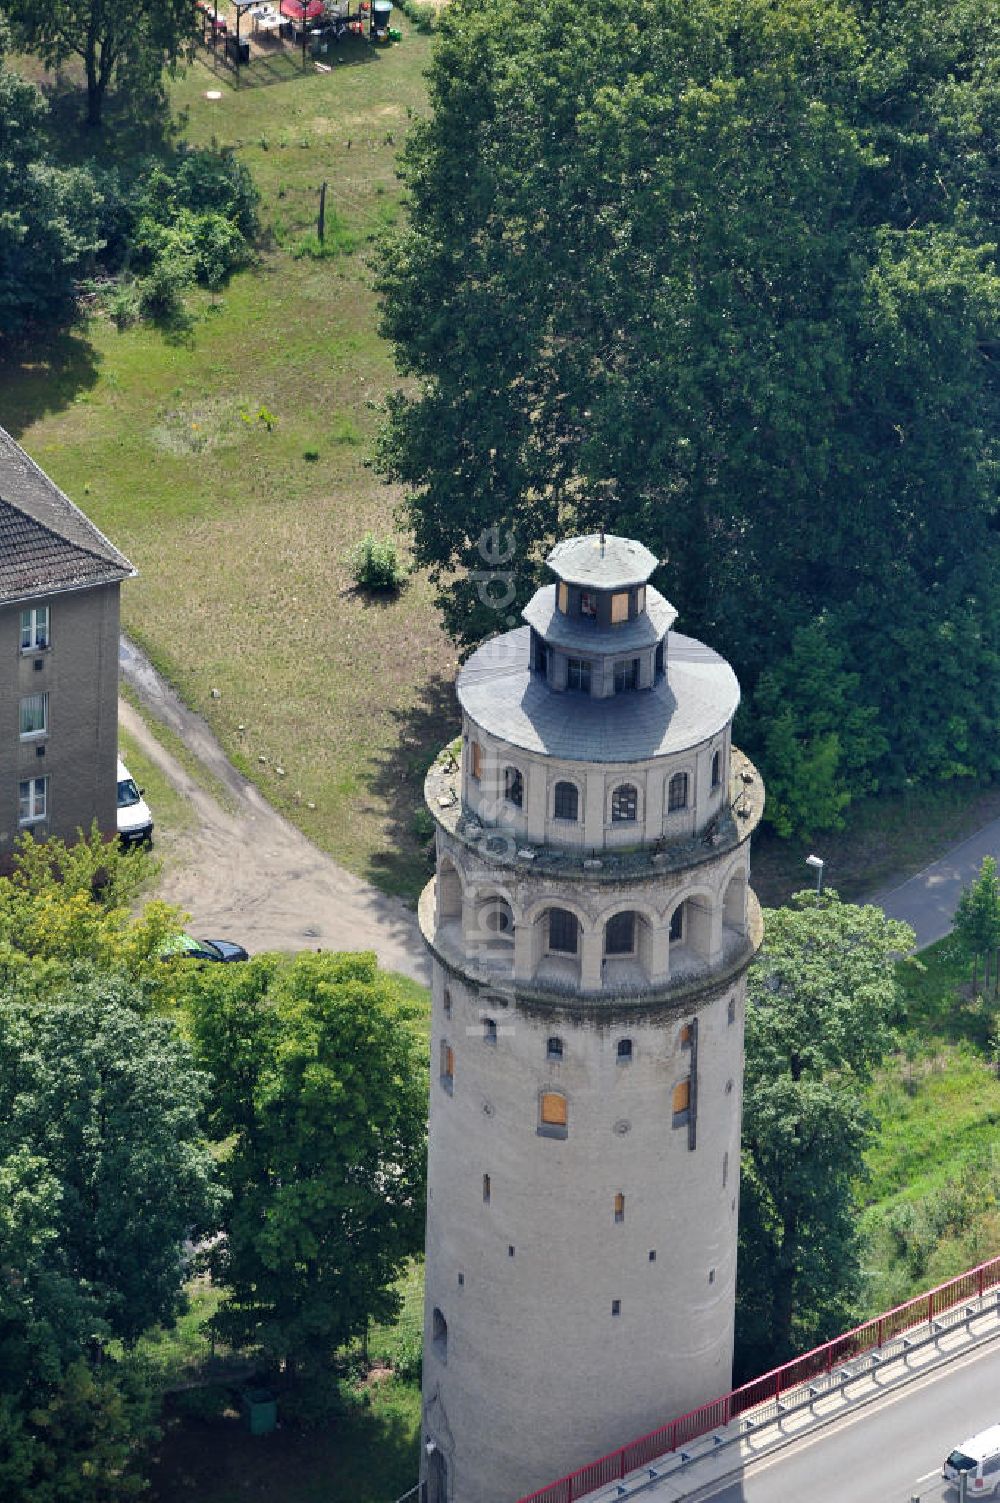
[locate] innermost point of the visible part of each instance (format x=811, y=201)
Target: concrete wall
x=539, y=1376
x=535, y=821
x=79, y=672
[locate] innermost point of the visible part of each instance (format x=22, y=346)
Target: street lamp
x=817, y=863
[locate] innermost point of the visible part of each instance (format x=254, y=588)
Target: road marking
x=928, y=1475
x=764, y=1463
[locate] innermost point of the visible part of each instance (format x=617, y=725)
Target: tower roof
x=602, y=560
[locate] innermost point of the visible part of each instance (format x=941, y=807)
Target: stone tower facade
x=591, y=924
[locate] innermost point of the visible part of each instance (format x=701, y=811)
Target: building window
x=541, y=656
x=619, y=934
x=447, y=1065
x=476, y=752
x=658, y=658
x=553, y=1115
x=616, y=1307
x=489, y=1031
x=578, y=674
x=498, y=918
x=439, y=1334
x=677, y=924
x=33, y=800
x=513, y=787
x=640, y=600
x=487, y=1190
x=626, y=675
x=619, y=1208
x=624, y=803
x=562, y=596
x=510, y=1249
x=716, y=769
x=34, y=719
x=567, y=801
x=687, y=1036
x=711, y=1275
x=652, y=1254
x=564, y=931
x=731, y=1011
x=681, y=1102
x=677, y=792
x=35, y=628
x=725, y=1170
x=588, y=603
x=446, y=1002
x=619, y=608
x=554, y=1048
x=624, y=1051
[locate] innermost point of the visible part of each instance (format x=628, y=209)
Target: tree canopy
x=722, y=275
x=977, y=921
x=821, y=1000
x=319, y=1084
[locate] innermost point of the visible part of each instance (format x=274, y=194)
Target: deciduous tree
x=820, y=1005
x=977, y=920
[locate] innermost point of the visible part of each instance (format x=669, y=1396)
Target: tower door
x=437, y=1478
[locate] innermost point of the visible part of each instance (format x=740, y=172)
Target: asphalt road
x=887, y=1452
x=927, y=901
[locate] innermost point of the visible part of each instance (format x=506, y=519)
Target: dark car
x=189, y=948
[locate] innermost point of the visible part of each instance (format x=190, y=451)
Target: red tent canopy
x=295, y=10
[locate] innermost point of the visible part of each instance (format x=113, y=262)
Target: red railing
x=713, y=1416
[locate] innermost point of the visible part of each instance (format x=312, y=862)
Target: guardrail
x=866, y=1338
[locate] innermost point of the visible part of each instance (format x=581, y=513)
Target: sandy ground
x=250, y=875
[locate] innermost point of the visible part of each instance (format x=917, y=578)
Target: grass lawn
x=231, y=465
x=933, y=1198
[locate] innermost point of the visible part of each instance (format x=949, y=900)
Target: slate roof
x=47, y=545
x=697, y=697
x=604, y=561
x=583, y=634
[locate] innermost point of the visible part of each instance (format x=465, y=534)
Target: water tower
x=591, y=925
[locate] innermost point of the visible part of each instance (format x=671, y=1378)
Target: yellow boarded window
x=682, y=1096
x=619, y=608
x=686, y=1035
x=477, y=760
x=447, y=1061
x=564, y=598
x=619, y=1207
x=554, y=1113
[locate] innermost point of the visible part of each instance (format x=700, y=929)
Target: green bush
x=123, y=305
x=375, y=564
x=161, y=293
x=423, y=16
x=408, y=1358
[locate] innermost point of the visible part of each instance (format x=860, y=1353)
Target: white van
x=979, y=1459
x=135, y=823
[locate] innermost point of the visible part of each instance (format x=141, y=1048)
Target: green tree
x=818, y=743
x=722, y=275
x=820, y=1005
x=320, y=1086
x=125, y=44
x=977, y=921
x=48, y=214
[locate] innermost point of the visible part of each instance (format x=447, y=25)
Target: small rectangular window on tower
x=681, y=1102
x=619, y=1208
x=619, y=608
x=731, y=1011
x=487, y=1190
x=616, y=1307
x=563, y=597
x=447, y=1065
x=553, y=1115
x=476, y=762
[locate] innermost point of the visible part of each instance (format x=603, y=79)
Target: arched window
x=677, y=792
x=677, y=925
x=624, y=803
x=619, y=934
x=624, y=1051
x=564, y=931
x=567, y=801
x=553, y=1115
x=497, y=918
x=554, y=1048
x=513, y=787
x=716, y=769
x=439, y=1334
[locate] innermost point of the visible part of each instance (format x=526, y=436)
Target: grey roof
x=46, y=543
x=607, y=562
x=697, y=698
x=582, y=634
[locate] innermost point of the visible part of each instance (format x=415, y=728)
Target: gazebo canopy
x=296, y=11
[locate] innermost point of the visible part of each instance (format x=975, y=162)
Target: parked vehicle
x=135, y=823
x=185, y=946
x=979, y=1459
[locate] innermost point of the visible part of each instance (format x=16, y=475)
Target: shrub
x=161, y=293
x=375, y=564
x=123, y=305
x=408, y=1358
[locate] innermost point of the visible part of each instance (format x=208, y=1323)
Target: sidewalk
x=927, y=901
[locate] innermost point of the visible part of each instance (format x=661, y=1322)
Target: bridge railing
x=868, y=1337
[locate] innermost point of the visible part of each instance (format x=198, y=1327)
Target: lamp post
x=816, y=862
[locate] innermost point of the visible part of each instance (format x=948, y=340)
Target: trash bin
x=260, y=1410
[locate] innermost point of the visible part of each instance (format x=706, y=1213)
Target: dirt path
x=250, y=875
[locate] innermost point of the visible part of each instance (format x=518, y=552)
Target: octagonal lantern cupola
x=601, y=629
